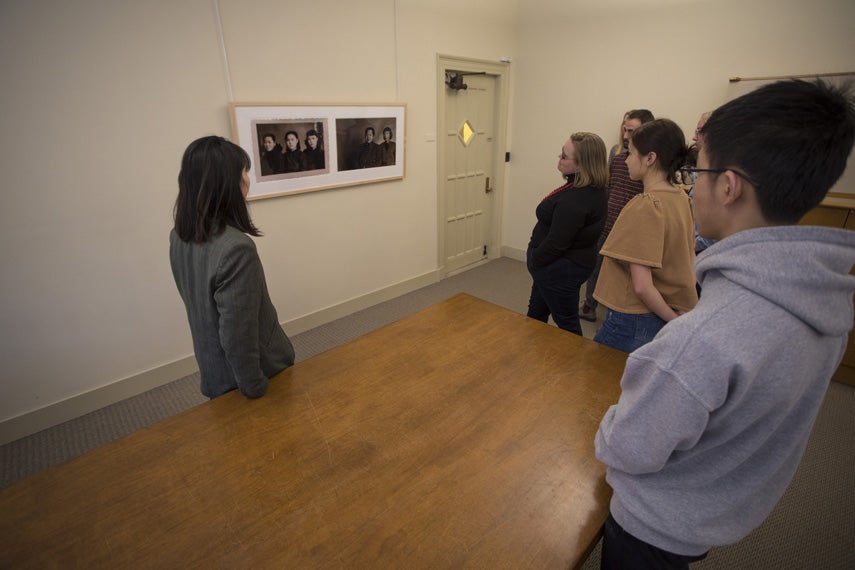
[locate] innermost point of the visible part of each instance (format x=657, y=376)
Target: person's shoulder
x=594, y=199
x=234, y=249
x=618, y=160
x=670, y=196
x=591, y=191
x=643, y=201
x=674, y=193
x=597, y=189
x=176, y=243
x=644, y=209
x=232, y=238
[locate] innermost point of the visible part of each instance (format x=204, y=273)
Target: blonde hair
x=590, y=158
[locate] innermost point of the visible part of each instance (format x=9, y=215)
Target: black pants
x=555, y=291
x=622, y=551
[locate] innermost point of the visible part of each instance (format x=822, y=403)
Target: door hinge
x=487, y=187
x=485, y=250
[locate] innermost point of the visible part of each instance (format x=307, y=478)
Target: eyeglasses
x=691, y=172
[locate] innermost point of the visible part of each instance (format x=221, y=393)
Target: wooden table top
x=458, y=437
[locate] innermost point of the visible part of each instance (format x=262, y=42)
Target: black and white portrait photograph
x=290, y=149
x=366, y=143
x=304, y=148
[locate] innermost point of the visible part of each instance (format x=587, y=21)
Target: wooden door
x=470, y=121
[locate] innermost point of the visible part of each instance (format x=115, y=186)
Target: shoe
x=587, y=313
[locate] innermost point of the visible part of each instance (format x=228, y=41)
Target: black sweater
x=569, y=223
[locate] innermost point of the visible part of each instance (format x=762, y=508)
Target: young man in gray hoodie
x=715, y=413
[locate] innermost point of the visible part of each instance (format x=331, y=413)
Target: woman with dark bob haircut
x=648, y=277
x=237, y=338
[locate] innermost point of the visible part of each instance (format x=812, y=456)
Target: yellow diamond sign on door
x=466, y=133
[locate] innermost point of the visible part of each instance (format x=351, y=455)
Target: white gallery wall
x=581, y=64
x=100, y=98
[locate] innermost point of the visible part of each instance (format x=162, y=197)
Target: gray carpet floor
x=813, y=526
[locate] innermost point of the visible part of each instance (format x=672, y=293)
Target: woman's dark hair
x=297, y=138
x=666, y=139
x=209, y=190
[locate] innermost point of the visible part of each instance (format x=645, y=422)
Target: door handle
x=487, y=187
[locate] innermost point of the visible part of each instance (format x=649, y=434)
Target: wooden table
x=459, y=437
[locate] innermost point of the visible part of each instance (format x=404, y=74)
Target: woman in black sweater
x=563, y=247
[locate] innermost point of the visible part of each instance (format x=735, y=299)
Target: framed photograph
x=302, y=148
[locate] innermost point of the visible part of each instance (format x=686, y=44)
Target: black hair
x=791, y=137
x=692, y=155
x=666, y=139
x=691, y=160
x=271, y=135
x=296, y=136
x=209, y=190
x=311, y=133
x=642, y=115
x=389, y=129
x=373, y=132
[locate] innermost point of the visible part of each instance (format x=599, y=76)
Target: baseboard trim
x=333, y=312
x=82, y=404
x=513, y=253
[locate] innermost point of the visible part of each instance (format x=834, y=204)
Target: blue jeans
x=628, y=332
x=555, y=291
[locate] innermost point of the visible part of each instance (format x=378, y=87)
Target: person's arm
x=654, y=417
x=642, y=284
x=238, y=295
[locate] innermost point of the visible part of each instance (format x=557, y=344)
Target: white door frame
x=501, y=71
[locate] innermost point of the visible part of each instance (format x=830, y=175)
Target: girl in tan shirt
x=647, y=277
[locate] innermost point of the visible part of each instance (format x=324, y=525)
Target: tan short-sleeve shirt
x=654, y=229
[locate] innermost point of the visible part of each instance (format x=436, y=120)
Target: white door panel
x=470, y=119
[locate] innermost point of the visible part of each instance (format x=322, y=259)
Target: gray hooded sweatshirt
x=715, y=413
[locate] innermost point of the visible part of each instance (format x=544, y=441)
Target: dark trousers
x=592, y=280
x=622, y=551
x=555, y=291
